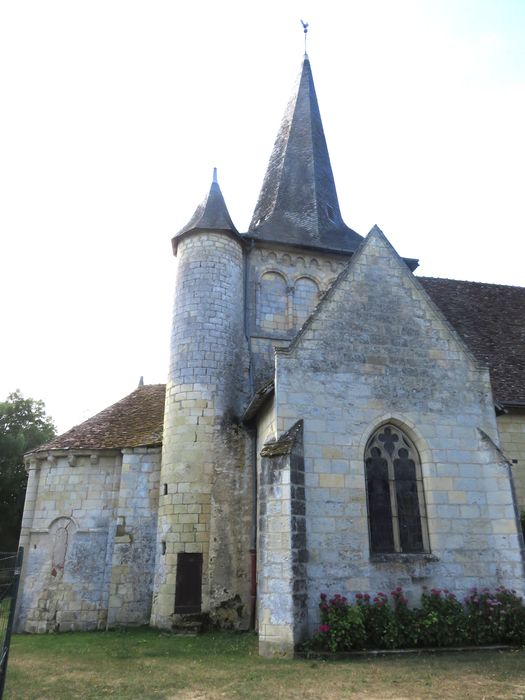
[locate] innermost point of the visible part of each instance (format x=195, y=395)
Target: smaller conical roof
x=211, y=215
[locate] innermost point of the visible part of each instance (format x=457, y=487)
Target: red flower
x=324, y=628
x=323, y=596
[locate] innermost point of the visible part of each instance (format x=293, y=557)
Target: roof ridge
x=451, y=279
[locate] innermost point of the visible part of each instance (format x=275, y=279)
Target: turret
x=202, y=488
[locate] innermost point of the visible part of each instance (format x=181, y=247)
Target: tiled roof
x=491, y=320
x=135, y=420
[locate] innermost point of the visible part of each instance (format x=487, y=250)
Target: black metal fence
x=10, y=567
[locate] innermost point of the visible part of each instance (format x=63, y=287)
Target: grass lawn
x=143, y=663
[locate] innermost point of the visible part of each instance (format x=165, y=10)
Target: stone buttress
x=203, y=538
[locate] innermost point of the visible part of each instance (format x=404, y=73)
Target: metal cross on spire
x=305, y=30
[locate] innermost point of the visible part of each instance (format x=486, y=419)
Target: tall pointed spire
x=211, y=215
x=298, y=202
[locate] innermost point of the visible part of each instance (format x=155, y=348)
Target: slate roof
x=136, y=420
x=298, y=202
x=491, y=320
x=211, y=215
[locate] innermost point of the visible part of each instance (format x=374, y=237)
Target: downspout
x=253, y=543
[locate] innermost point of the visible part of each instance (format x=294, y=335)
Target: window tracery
x=394, y=485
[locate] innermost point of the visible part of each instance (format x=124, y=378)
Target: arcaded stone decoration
x=396, y=508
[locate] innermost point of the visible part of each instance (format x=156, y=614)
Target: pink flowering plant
x=342, y=627
x=442, y=619
x=495, y=617
x=387, y=621
x=406, y=620
x=379, y=621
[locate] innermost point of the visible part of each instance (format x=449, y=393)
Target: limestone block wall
x=282, y=585
x=283, y=289
x=133, y=560
x=512, y=436
x=266, y=428
x=376, y=351
x=206, y=480
x=68, y=538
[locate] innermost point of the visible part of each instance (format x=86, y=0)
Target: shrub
x=442, y=619
x=342, y=626
x=495, y=617
x=376, y=623
x=407, y=621
x=379, y=621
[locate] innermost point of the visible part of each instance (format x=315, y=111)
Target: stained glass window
x=394, y=484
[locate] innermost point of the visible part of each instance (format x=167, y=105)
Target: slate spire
x=298, y=202
x=211, y=215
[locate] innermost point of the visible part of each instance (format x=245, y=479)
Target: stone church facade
x=331, y=423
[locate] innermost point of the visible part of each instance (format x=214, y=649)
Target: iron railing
x=10, y=567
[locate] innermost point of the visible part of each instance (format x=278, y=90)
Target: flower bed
x=387, y=622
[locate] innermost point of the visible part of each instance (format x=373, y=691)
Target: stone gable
x=378, y=350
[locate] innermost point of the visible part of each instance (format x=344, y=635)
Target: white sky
x=114, y=112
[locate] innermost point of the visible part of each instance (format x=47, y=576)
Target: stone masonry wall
x=133, y=560
x=281, y=579
x=283, y=289
x=68, y=537
x=378, y=351
x=512, y=435
x=206, y=481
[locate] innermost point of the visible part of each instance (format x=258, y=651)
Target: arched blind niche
x=272, y=303
x=306, y=296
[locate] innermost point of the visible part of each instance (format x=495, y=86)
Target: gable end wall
x=378, y=350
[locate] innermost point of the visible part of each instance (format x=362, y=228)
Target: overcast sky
x=114, y=113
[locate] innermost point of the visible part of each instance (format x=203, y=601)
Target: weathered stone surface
x=377, y=350
x=68, y=534
x=287, y=354
x=206, y=481
x=282, y=545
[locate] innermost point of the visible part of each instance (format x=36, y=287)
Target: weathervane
x=305, y=30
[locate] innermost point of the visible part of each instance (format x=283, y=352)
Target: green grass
x=141, y=664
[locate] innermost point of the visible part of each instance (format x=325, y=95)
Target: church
x=331, y=423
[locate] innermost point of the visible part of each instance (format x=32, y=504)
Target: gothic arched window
x=394, y=486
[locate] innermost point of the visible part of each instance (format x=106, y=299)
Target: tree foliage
x=24, y=426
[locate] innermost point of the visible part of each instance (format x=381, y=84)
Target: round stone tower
x=202, y=559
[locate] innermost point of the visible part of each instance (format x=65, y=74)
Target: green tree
x=24, y=426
